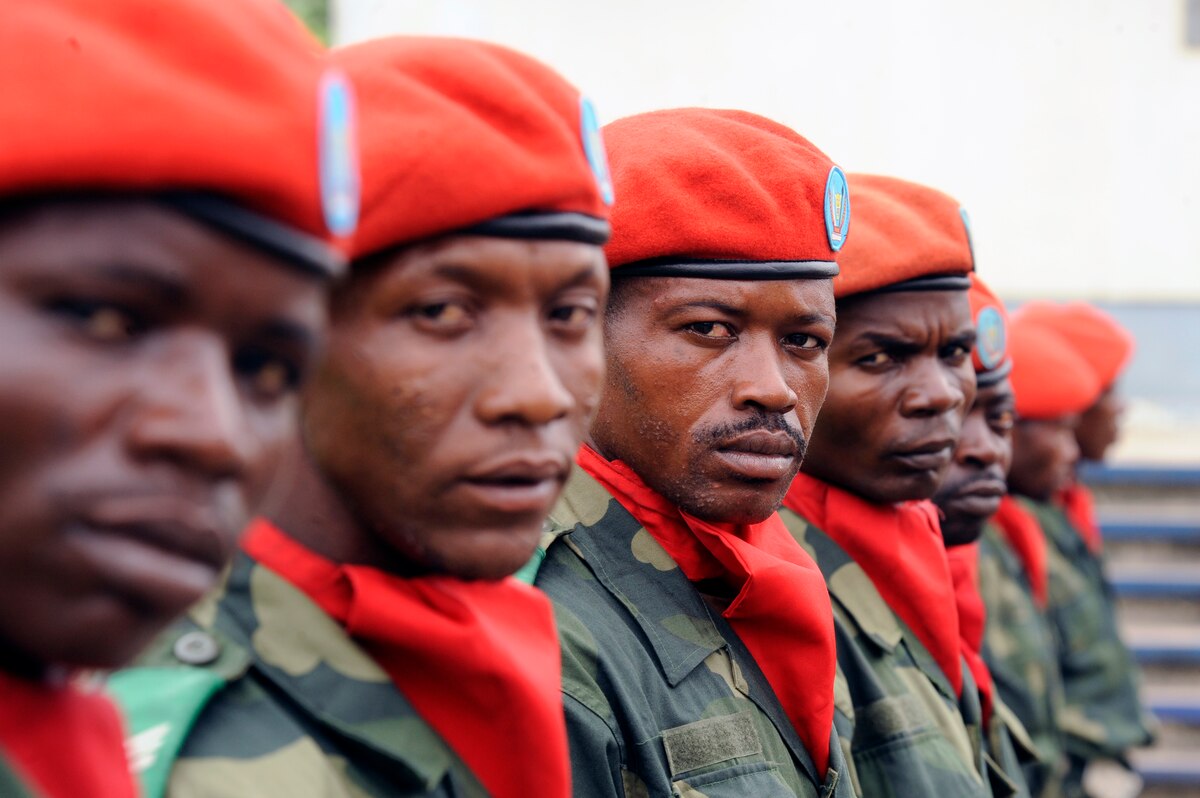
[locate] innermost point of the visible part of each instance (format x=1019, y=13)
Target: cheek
x=581, y=370
x=810, y=382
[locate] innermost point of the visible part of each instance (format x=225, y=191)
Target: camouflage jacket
x=661, y=697
x=12, y=785
x=1020, y=650
x=1102, y=716
x=288, y=705
x=905, y=731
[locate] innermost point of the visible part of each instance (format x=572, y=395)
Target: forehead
x=906, y=314
x=493, y=258
x=765, y=299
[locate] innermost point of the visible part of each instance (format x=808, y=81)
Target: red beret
x=1048, y=376
x=991, y=359
x=726, y=194
x=906, y=236
x=1097, y=337
x=459, y=133
x=227, y=100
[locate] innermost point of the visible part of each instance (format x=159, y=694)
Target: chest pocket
x=720, y=757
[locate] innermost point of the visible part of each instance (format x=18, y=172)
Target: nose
x=521, y=383
x=978, y=445
x=760, y=380
x=932, y=389
x=190, y=412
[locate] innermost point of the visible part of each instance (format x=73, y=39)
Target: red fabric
x=1049, y=378
x=145, y=95
x=1095, y=335
x=456, y=132
x=991, y=324
x=65, y=742
x=782, y=611
x=902, y=231
x=1024, y=534
x=900, y=548
x=478, y=660
x=972, y=617
x=703, y=184
x=1077, y=502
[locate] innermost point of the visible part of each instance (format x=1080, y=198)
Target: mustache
x=713, y=436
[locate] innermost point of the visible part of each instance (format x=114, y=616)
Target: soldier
x=900, y=384
x=1107, y=347
x=368, y=640
x=996, y=604
x=1102, y=717
x=165, y=253
x=697, y=639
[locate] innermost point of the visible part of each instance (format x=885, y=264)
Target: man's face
x=1044, y=457
x=148, y=382
x=900, y=383
x=713, y=388
x=1100, y=425
x=975, y=480
x=460, y=379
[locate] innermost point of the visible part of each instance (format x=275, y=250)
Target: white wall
x=1070, y=129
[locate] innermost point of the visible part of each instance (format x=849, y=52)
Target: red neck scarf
x=66, y=742
x=782, y=611
x=1077, y=502
x=1025, y=535
x=972, y=616
x=900, y=548
x=478, y=660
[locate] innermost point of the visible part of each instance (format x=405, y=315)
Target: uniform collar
x=676, y=622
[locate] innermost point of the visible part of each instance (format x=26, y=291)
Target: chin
x=490, y=555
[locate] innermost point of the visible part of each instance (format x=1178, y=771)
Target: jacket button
x=196, y=648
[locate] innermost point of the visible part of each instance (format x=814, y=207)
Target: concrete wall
x=1070, y=129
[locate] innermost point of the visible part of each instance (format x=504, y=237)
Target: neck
x=315, y=514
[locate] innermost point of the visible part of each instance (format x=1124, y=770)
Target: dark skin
x=900, y=384
x=148, y=385
x=1044, y=456
x=713, y=388
x=1100, y=425
x=442, y=423
x=975, y=481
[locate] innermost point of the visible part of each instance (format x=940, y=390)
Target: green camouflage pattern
x=1102, y=716
x=1020, y=649
x=904, y=730
x=11, y=785
x=661, y=697
x=305, y=711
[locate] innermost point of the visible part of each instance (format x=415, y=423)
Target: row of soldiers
x=367, y=434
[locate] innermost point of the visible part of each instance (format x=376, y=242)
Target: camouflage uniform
x=661, y=697
x=904, y=730
x=1102, y=716
x=12, y=785
x=296, y=707
x=1020, y=650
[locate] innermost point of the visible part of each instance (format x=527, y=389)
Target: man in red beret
x=1102, y=717
x=697, y=638
x=370, y=639
x=172, y=184
x=1008, y=641
x=1106, y=347
x=900, y=384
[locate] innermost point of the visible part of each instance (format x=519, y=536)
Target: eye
x=268, y=376
x=875, y=359
x=100, y=321
x=1003, y=421
x=574, y=317
x=441, y=317
x=956, y=352
x=711, y=329
x=804, y=341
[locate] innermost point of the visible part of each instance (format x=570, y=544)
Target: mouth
x=980, y=499
x=931, y=456
x=518, y=483
x=760, y=456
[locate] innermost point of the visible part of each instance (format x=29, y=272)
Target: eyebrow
x=479, y=277
x=288, y=333
x=168, y=288
x=712, y=304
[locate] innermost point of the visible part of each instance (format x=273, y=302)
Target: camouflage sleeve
x=595, y=756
